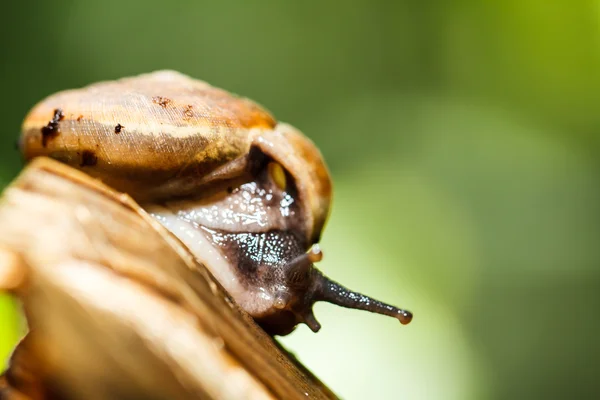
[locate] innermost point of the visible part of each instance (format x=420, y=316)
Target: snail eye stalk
x=298, y=269
x=324, y=289
x=334, y=293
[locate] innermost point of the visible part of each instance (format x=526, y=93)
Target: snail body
x=248, y=195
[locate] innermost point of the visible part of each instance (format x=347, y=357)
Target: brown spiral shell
x=165, y=134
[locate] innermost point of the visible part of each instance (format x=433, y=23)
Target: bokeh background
x=463, y=138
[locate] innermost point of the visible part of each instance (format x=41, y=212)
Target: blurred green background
x=463, y=141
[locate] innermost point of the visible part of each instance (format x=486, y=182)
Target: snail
x=248, y=195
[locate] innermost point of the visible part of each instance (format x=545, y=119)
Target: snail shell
x=164, y=134
x=247, y=194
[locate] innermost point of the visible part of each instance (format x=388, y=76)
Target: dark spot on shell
x=161, y=101
x=88, y=159
x=118, y=128
x=229, y=189
x=51, y=130
x=188, y=112
x=79, y=118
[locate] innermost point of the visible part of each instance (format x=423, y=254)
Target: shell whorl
x=159, y=134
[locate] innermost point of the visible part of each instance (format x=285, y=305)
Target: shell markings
x=51, y=130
